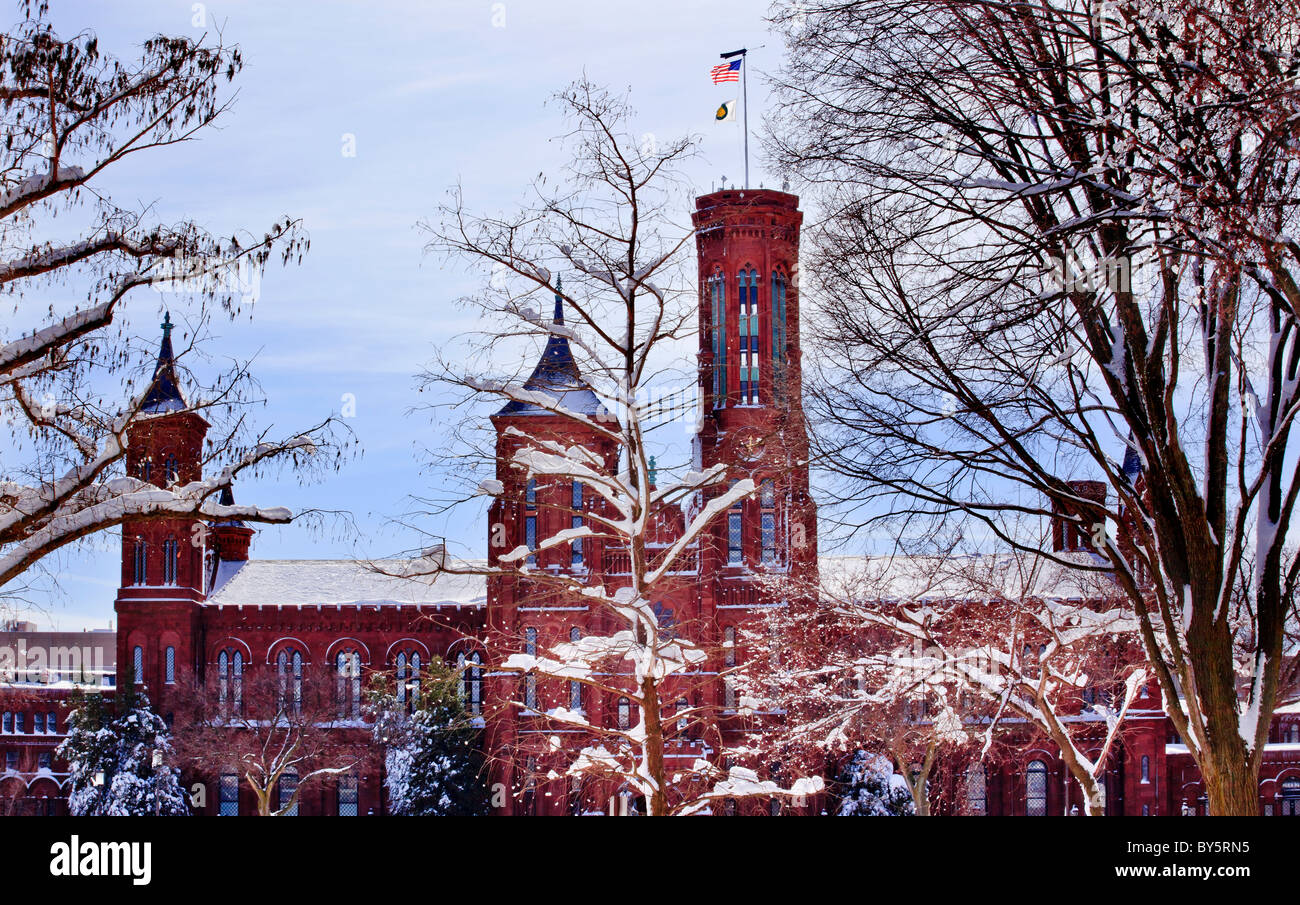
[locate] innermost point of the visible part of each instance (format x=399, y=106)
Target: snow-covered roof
x=297, y=582
x=962, y=577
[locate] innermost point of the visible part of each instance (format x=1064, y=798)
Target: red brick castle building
x=195, y=611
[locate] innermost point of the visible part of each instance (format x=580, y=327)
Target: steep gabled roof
x=557, y=376
x=164, y=393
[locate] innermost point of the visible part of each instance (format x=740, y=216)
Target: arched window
x=230, y=681
x=137, y=664
x=288, y=667
x=1146, y=768
x=1036, y=789
x=139, y=560
x=624, y=713
x=169, y=665
x=146, y=470
x=1289, y=798
x=977, y=795
x=228, y=805
x=680, y=708
x=171, y=558
x=729, y=661
x=471, y=681
x=173, y=474
x=530, y=520
x=575, y=546
x=347, y=688
x=51, y=723
x=289, y=794
x=767, y=503
x=413, y=684
x=575, y=688
x=530, y=680
x=38, y=723
x=1293, y=734
x=348, y=798
x=778, y=331
x=399, y=674
x=717, y=288
x=747, y=282
x=736, y=533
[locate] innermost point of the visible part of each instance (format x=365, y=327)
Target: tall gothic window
x=530, y=520
x=230, y=681
x=139, y=555
x=288, y=790
x=530, y=680
x=171, y=557
x=347, y=690
x=624, y=713
x=767, y=526
x=575, y=688
x=778, y=329
x=471, y=681
x=288, y=668
x=1036, y=789
x=718, y=295
x=399, y=670
x=348, y=798
x=729, y=660
x=229, y=795
x=735, y=534
x=137, y=664
x=173, y=474
x=575, y=546
x=977, y=795
x=747, y=282
x=169, y=665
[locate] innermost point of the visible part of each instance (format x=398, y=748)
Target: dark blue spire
x=557, y=375
x=164, y=393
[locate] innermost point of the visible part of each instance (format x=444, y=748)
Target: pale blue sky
x=433, y=93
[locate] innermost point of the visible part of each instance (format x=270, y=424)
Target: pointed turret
x=557, y=376
x=164, y=393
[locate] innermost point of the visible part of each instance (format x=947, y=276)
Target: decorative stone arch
x=288, y=641
x=394, y=649
x=226, y=643
x=465, y=646
x=360, y=647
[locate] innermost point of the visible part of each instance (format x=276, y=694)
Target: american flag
x=727, y=72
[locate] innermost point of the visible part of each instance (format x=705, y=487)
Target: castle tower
x=750, y=386
x=526, y=614
x=162, y=558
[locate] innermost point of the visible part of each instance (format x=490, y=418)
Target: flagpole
x=744, y=93
x=744, y=90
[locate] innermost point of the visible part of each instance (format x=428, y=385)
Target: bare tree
x=279, y=728
x=1059, y=243
x=937, y=651
x=610, y=228
x=69, y=114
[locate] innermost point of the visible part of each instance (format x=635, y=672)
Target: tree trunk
x=657, y=802
x=1230, y=776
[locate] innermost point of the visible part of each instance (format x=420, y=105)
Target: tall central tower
x=750, y=385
